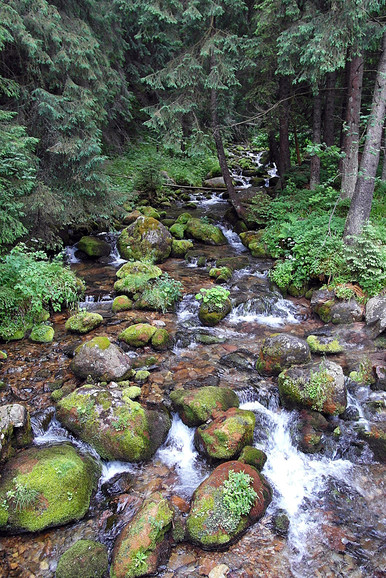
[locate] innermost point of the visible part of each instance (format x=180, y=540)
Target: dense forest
x=98, y=98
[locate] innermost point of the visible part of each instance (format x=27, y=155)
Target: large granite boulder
x=217, y=515
x=376, y=314
x=46, y=486
x=196, y=406
x=143, y=545
x=280, y=351
x=15, y=429
x=226, y=435
x=101, y=359
x=111, y=422
x=317, y=386
x=146, y=239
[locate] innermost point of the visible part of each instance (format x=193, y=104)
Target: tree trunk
x=284, y=94
x=351, y=131
x=297, y=148
x=383, y=177
x=316, y=139
x=360, y=207
x=328, y=129
x=274, y=154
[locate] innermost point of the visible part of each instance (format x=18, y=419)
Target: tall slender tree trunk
x=297, y=148
x=316, y=139
x=360, y=207
x=351, y=130
x=329, y=110
x=284, y=94
x=383, y=177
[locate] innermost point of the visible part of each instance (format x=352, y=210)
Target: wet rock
x=281, y=523
x=101, y=359
x=44, y=487
x=253, y=457
x=215, y=519
x=83, y=322
x=380, y=378
x=361, y=371
x=146, y=239
x=282, y=351
x=311, y=426
x=205, y=232
x=42, y=334
x=180, y=248
x=346, y=312
x=226, y=435
x=220, y=274
x=134, y=277
x=376, y=314
x=234, y=263
x=85, y=558
x=196, y=406
x=121, y=303
x=324, y=344
x=242, y=360
x=253, y=241
x=117, y=427
x=15, y=429
x=322, y=302
x=317, y=386
x=94, y=247
x=118, y=484
x=143, y=545
x=208, y=339
x=211, y=316
x=376, y=438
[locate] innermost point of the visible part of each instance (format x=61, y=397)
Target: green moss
x=121, y=303
x=253, y=457
x=83, y=322
x=3, y=356
x=196, y=406
x=94, y=247
x=138, y=335
x=101, y=342
x=141, y=376
x=160, y=339
x=180, y=248
x=184, y=218
x=317, y=346
x=220, y=274
x=205, y=232
x=42, y=334
x=131, y=392
x=178, y=230
x=85, y=559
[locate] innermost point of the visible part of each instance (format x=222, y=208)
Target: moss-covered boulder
x=226, y=435
x=210, y=315
x=44, y=487
x=138, y=335
x=218, y=516
x=253, y=457
x=134, y=277
x=196, y=406
x=311, y=427
x=42, y=333
x=101, y=359
x=322, y=302
x=317, y=386
x=184, y=218
x=85, y=559
x=150, y=212
x=111, y=422
x=83, y=322
x=280, y=351
x=344, y=312
x=143, y=545
x=15, y=429
x=146, y=239
x=121, y=303
x=253, y=241
x=178, y=230
x=180, y=248
x=324, y=344
x=94, y=247
x=220, y=274
x=161, y=339
x=205, y=232
x=376, y=314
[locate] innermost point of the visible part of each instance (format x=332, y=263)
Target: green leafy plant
x=214, y=298
x=22, y=496
x=163, y=293
x=139, y=560
x=317, y=388
x=238, y=493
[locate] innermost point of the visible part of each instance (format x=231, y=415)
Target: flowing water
x=333, y=500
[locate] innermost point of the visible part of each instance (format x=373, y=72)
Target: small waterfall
x=69, y=255
x=178, y=452
x=269, y=310
x=232, y=238
x=352, y=401
x=299, y=482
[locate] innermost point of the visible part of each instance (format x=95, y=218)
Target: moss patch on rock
x=205, y=232
x=83, y=322
x=180, y=248
x=138, y=335
x=253, y=457
x=94, y=247
x=146, y=239
x=121, y=303
x=85, y=559
x=196, y=406
x=42, y=334
x=280, y=351
x=325, y=345
x=45, y=487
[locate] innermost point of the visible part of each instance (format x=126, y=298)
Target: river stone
x=317, y=386
x=376, y=314
x=134, y=277
x=121, y=303
x=210, y=316
x=181, y=247
x=196, y=406
x=117, y=427
x=215, y=183
x=94, y=247
x=221, y=274
x=253, y=457
x=42, y=333
x=15, y=429
x=101, y=359
x=205, y=232
x=324, y=344
x=144, y=544
x=346, y=312
x=83, y=322
x=376, y=438
x=311, y=427
x=282, y=351
x=52, y=486
x=322, y=301
x=210, y=523
x=146, y=239
x=85, y=559
x=138, y=335
x=226, y=435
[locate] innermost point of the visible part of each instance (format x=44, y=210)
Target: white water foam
x=281, y=313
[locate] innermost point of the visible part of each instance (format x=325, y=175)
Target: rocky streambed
x=134, y=409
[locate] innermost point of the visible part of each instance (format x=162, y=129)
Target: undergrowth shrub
x=31, y=283
x=163, y=293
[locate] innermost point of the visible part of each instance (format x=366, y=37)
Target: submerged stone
x=85, y=559
x=44, y=487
